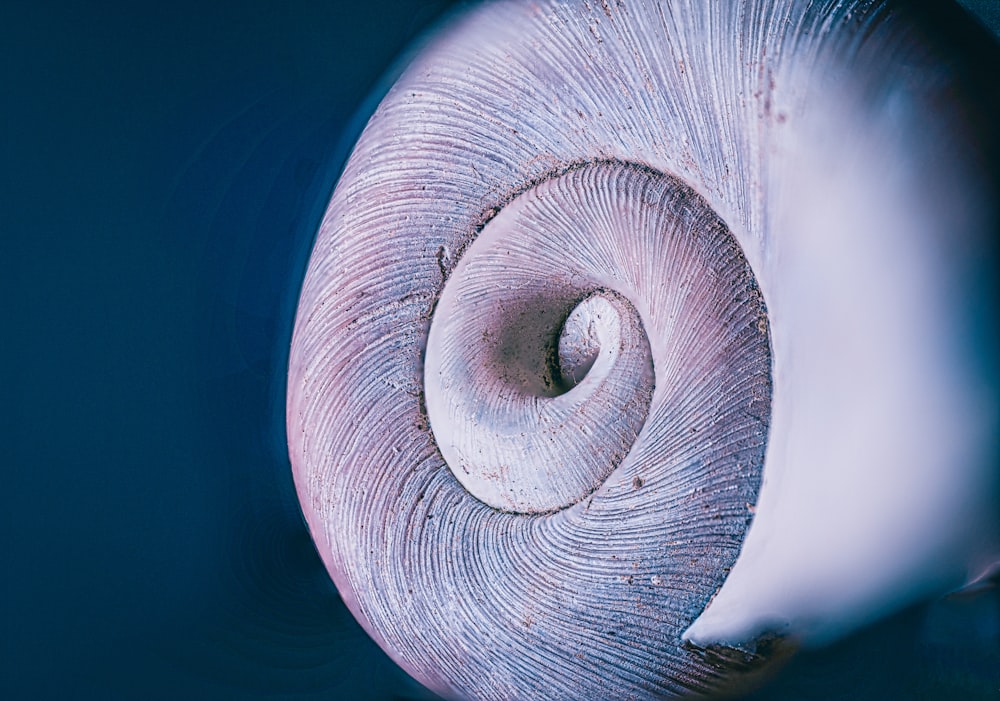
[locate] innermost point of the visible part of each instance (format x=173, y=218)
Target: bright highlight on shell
x=638, y=334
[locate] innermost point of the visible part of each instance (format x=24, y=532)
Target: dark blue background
x=165, y=167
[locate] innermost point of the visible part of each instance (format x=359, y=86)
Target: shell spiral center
x=588, y=295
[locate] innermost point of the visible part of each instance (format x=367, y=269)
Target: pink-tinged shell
x=774, y=222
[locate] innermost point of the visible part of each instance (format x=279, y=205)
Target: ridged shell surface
x=545, y=341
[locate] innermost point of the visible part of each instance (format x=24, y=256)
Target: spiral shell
x=588, y=265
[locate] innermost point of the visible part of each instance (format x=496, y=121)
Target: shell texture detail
x=654, y=242
x=623, y=308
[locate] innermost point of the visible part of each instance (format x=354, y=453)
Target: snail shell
x=596, y=277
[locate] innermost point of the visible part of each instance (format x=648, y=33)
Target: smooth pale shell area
x=591, y=268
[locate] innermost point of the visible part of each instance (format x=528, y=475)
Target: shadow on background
x=165, y=169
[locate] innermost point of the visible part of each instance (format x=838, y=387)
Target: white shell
x=689, y=163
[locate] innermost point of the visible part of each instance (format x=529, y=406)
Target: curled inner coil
x=638, y=269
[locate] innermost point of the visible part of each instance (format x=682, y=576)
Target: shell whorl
x=634, y=267
x=533, y=380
